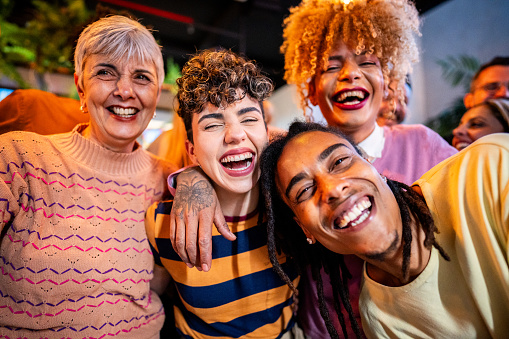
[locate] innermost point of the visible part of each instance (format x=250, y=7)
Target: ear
x=306, y=232
x=79, y=88
x=468, y=100
x=191, y=151
x=312, y=92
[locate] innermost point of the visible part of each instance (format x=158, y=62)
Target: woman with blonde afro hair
x=342, y=55
x=385, y=28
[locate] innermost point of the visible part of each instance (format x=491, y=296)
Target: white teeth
x=360, y=209
x=356, y=94
x=238, y=157
x=462, y=145
x=124, y=112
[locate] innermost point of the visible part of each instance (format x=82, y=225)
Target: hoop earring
x=82, y=109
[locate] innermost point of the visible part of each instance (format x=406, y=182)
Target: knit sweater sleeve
x=13, y=186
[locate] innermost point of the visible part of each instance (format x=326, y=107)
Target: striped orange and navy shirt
x=240, y=296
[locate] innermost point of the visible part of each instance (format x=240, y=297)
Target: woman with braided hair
x=436, y=257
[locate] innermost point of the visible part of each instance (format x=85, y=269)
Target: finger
x=191, y=232
x=172, y=230
x=205, y=242
x=221, y=225
x=180, y=241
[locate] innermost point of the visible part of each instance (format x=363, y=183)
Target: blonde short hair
x=120, y=38
x=385, y=28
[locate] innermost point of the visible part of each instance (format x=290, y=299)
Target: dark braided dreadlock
x=284, y=233
x=413, y=204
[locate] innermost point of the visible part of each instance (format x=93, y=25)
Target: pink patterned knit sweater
x=74, y=257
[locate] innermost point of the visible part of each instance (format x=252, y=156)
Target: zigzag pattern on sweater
x=25, y=243
x=18, y=269
x=70, y=176
x=150, y=318
x=47, y=215
x=100, y=295
x=66, y=309
x=91, y=238
x=141, y=280
x=83, y=208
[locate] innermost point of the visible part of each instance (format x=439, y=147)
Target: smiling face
x=121, y=99
x=475, y=123
x=227, y=143
x=492, y=82
x=349, y=92
x=337, y=197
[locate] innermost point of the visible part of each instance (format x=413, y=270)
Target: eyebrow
x=105, y=64
x=220, y=115
x=321, y=157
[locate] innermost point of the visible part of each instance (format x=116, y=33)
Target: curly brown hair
x=384, y=28
x=220, y=77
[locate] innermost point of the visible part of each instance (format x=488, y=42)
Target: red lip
x=356, y=106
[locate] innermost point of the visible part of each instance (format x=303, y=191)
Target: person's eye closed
x=333, y=67
x=250, y=120
x=213, y=126
x=477, y=124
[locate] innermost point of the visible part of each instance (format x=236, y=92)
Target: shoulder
x=485, y=163
x=166, y=166
x=19, y=141
x=416, y=130
x=420, y=137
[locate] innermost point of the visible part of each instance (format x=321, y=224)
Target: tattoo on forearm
x=192, y=197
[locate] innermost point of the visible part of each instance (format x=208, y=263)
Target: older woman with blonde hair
x=75, y=258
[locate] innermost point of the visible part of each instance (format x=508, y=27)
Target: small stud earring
x=310, y=241
x=154, y=116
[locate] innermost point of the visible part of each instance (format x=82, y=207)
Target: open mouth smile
x=238, y=162
x=351, y=99
x=354, y=215
x=123, y=112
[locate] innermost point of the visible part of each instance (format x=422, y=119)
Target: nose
x=460, y=130
x=503, y=91
x=332, y=189
x=350, y=71
x=124, y=88
x=234, y=133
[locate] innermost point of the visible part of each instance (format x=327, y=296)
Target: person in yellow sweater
x=436, y=253
x=74, y=254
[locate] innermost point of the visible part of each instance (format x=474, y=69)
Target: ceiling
x=251, y=27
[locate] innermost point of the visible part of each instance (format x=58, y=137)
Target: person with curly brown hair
x=220, y=101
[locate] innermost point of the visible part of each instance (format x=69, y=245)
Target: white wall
x=474, y=27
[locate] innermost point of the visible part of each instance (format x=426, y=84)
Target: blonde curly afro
x=385, y=28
